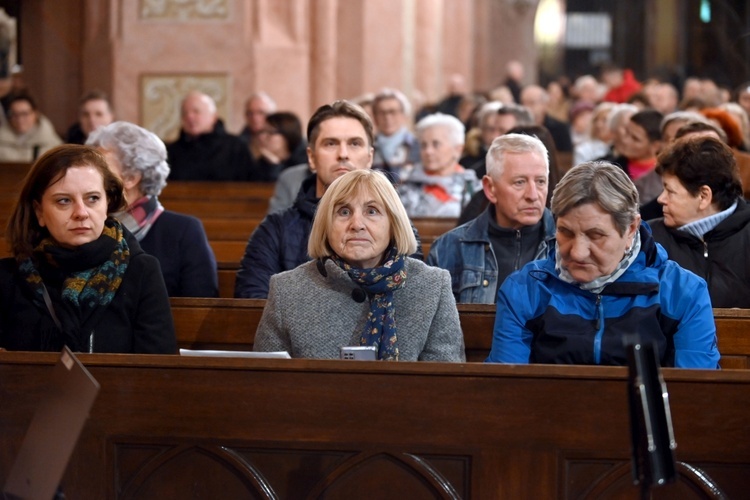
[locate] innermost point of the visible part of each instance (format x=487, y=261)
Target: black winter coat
x=138, y=320
x=722, y=258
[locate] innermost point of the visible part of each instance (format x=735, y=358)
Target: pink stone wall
x=146, y=53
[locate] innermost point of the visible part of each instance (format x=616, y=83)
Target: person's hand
x=269, y=155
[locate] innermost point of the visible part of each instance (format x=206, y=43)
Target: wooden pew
x=231, y=323
x=227, y=200
x=172, y=427
x=190, y=190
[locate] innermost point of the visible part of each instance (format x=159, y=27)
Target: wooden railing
x=176, y=427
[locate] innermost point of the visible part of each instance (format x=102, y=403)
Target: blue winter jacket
x=542, y=319
x=467, y=254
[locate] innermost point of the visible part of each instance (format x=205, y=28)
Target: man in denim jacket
x=514, y=229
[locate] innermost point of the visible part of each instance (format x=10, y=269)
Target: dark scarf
x=141, y=215
x=81, y=281
x=379, y=283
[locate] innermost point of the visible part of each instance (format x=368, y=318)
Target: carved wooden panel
x=161, y=96
x=147, y=470
x=172, y=427
x=613, y=480
x=183, y=10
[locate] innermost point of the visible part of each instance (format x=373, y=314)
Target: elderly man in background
x=94, y=111
x=205, y=151
x=257, y=107
x=514, y=229
x=536, y=99
x=396, y=148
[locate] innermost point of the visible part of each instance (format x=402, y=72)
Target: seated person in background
x=536, y=99
x=205, y=151
x=339, y=140
x=600, y=139
x=509, y=117
x=257, y=107
x=438, y=186
x=139, y=157
x=77, y=277
x=396, y=148
x=672, y=122
x=494, y=120
x=26, y=134
x=513, y=230
x=362, y=289
x=606, y=279
x=641, y=142
x=281, y=146
x=94, y=111
x=706, y=223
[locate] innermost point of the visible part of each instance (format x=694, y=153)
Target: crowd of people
x=586, y=210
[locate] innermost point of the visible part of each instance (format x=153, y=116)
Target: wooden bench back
x=231, y=324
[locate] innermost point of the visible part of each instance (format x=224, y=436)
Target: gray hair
x=267, y=100
x=513, y=144
x=585, y=80
x=138, y=150
x=488, y=109
x=523, y=115
x=456, y=129
x=685, y=116
x=602, y=183
x=388, y=93
x=618, y=113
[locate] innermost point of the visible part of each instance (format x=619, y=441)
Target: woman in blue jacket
x=605, y=279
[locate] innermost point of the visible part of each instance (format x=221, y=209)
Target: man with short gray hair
x=514, y=229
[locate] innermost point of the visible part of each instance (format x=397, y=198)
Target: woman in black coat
x=77, y=277
x=178, y=241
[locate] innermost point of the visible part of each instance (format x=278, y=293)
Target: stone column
x=323, y=52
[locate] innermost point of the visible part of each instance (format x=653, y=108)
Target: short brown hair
x=95, y=95
x=339, y=109
x=703, y=161
x=23, y=231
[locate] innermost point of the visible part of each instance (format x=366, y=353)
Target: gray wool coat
x=311, y=315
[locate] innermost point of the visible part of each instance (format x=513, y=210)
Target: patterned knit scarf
x=92, y=274
x=141, y=215
x=379, y=283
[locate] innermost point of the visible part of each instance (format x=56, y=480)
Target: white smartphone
x=360, y=352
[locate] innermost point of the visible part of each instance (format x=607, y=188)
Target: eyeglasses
x=20, y=114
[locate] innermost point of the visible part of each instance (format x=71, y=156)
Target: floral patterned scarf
x=380, y=283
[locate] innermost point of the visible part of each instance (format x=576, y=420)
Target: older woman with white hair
x=607, y=279
x=439, y=186
x=178, y=241
x=361, y=288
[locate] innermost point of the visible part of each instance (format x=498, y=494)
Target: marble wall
x=148, y=53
